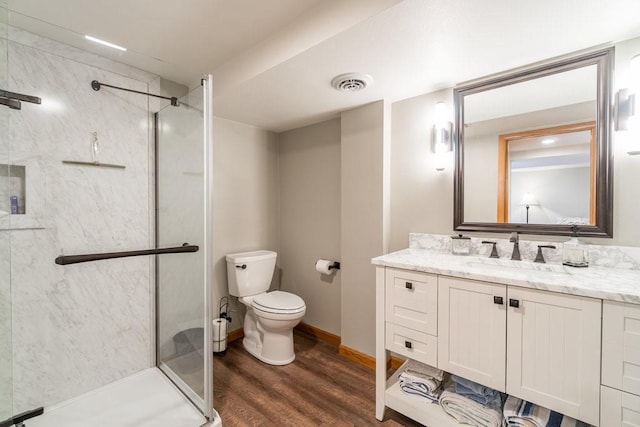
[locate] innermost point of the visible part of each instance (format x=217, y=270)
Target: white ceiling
x=273, y=60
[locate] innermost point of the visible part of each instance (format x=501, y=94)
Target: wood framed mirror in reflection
x=533, y=149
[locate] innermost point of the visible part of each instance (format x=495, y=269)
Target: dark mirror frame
x=604, y=59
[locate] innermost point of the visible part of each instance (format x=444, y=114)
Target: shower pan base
x=144, y=399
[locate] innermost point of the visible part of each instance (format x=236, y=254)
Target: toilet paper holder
x=326, y=266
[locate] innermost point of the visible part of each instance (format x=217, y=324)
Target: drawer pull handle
x=498, y=300
x=408, y=285
x=408, y=344
x=514, y=303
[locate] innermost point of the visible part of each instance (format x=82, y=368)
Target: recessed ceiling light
x=105, y=43
x=548, y=141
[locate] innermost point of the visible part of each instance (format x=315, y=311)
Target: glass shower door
x=183, y=314
x=6, y=349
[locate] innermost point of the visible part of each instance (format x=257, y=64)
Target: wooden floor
x=320, y=388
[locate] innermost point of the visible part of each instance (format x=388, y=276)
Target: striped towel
x=419, y=390
x=467, y=411
x=421, y=380
x=428, y=384
x=422, y=370
x=520, y=413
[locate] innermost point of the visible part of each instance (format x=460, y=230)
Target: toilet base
x=256, y=351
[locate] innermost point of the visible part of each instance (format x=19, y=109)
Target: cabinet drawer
x=621, y=346
x=618, y=408
x=412, y=300
x=412, y=344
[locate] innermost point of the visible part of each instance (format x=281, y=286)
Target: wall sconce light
x=441, y=134
x=627, y=102
x=527, y=201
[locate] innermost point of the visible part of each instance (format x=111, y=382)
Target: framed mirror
x=533, y=149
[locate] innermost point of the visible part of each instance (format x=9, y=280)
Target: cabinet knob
x=408, y=344
x=498, y=300
x=514, y=303
x=408, y=285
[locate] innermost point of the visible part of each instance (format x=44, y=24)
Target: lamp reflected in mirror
x=527, y=201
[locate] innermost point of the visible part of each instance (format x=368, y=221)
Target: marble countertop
x=605, y=283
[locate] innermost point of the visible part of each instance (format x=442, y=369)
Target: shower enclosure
x=107, y=171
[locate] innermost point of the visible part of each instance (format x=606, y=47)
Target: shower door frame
x=205, y=404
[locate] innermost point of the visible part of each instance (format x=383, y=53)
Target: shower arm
x=96, y=85
x=74, y=259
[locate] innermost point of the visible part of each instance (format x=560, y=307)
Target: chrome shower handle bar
x=74, y=259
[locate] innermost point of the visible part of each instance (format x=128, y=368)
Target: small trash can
x=188, y=341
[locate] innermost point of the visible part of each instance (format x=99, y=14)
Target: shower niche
x=12, y=189
x=21, y=192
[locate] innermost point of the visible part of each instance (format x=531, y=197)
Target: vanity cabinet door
x=553, y=351
x=621, y=346
x=619, y=409
x=472, y=330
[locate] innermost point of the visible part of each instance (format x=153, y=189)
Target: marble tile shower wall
x=622, y=257
x=78, y=327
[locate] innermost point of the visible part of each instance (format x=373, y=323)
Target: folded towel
x=476, y=388
x=418, y=390
x=428, y=384
x=422, y=370
x=467, y=411
x=474, y=391
x=520, y=413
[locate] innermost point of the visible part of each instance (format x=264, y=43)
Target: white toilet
x=271, y=316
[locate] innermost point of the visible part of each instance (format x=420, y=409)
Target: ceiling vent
x=351, y=82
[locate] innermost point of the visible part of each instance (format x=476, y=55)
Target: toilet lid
x=279, y=302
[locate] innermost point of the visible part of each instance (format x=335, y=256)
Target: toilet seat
x=279, y=302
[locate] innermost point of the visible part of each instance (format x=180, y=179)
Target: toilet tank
x=250, y=273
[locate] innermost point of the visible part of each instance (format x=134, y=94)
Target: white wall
x=626, y=169
x=364, y=223
x=562, y=194
x=309, y=168
x=421, y=197
x=245, y=200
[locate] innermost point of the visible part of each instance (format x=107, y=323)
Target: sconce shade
x=441, y=133
x=627, y=100
x=529, y=199
x=441, y=138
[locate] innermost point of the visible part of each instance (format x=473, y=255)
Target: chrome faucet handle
x=514, y=237
x=494, y=250
x=539, y=257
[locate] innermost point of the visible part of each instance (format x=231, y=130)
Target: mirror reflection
x=533, y=150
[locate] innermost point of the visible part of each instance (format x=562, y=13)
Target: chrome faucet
x=515, y=255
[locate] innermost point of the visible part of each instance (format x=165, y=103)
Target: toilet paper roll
x=219, y=335
x=324, y=266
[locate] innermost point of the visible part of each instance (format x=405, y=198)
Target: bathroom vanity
x=564, y=338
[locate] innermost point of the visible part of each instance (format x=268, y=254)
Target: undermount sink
x=509, y=265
